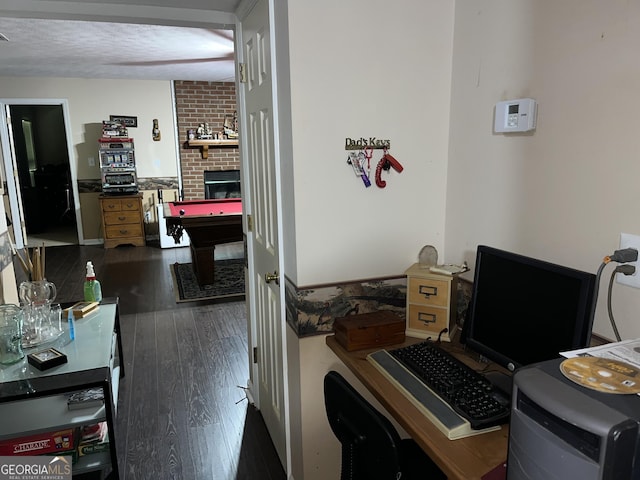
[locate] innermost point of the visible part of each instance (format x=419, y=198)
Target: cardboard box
x=90, y=448
x=41, y=443
x=369, y=330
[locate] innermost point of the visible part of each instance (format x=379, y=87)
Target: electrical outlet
x=629, y=241
x=92, y=161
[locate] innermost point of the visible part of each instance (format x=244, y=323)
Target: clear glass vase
x=36, y=298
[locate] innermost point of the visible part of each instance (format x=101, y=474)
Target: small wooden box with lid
x=431, y=303
x=369, y=330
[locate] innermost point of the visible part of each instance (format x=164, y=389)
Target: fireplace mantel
x=205, y=144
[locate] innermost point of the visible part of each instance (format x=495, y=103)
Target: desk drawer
x=120, y=204
x=121, y=217
x=130, y=205
x=123, y=231
x=427, y=291
x=427, y=319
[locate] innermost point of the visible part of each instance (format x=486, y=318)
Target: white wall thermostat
x=516, y=115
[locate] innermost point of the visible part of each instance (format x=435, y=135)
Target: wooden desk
x=464, y=459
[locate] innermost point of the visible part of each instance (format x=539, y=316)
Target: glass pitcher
x=36, y=298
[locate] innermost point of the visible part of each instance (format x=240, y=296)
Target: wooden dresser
x=122, y=220
x=431, y=303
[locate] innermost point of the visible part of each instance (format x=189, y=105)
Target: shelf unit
x=47, y=414
x=34, y=402
x=205, y=144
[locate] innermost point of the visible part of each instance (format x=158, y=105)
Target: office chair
x=371, y=446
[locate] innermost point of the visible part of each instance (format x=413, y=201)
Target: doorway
x=42, y=175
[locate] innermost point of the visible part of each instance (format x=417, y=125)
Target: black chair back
x=370, y=443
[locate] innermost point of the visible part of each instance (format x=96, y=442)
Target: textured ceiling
x=222, y=5
x=82, y=49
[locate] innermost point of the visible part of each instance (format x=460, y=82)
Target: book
x=89, y=448
x=92, y=397
x=96, y=444
x=81, y=309
x=94, y=433
x=41, y=443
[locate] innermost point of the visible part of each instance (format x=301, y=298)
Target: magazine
x=92, y=397
x=448, y=269
x=627, y=351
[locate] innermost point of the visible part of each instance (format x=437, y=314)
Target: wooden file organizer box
x=431, y=304
x=369, y=330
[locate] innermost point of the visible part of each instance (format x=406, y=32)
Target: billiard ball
x=182, y=211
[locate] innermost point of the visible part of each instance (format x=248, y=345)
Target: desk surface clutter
x=37, y=417
x=464, y=459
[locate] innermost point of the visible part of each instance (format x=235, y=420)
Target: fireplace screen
x=222, y=184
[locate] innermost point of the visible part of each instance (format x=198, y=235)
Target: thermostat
x=516, y=115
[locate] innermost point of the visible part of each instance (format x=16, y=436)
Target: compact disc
x=602, y=374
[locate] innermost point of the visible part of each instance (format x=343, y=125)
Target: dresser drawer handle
x=426, y=318
x=123, y=232
x=428, y=290
x=122, y=219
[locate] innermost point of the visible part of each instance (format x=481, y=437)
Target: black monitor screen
x=525, y=310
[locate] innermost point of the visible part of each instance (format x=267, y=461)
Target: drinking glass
x=10, y=334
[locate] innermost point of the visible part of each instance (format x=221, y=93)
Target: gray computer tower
x=562, y=431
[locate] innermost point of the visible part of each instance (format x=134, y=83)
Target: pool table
x=208, y=223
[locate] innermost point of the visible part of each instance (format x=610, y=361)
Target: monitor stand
x=501, y=381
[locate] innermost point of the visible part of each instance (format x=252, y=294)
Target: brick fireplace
x=222, y=184
x=199, y=102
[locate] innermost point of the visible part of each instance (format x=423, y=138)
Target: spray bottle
x=92, y=288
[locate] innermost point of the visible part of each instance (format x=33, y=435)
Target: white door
x=266, y=298
x=11, y=168
x=13, y=185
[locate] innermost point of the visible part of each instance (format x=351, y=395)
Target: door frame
x=15, y=200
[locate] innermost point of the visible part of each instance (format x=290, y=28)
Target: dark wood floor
x=182, y=411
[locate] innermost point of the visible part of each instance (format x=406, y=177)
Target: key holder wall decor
x=360, y=154
x=371, y=142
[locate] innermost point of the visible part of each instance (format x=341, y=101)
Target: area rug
x=228, y=275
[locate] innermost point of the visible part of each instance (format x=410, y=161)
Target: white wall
x=368, y=69
x=93, y=100
x=566, y=192
x=361, y=69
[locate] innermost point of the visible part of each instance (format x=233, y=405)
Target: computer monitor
x=524, y=310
